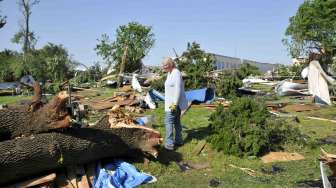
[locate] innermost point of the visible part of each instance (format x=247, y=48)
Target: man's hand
x=172, y=107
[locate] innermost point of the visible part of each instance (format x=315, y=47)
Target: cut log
x=32, y=155
x=22, y=120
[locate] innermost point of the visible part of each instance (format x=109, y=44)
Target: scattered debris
x=39, y=181
x=184, y=166
x=274, y=169
x=301, y=107
x=318, y=83
x=214, y=183
x=246, y=170
x=286, y=88
x=322, y=119
x=330, y=160
x=281, y=156
x=199, y=147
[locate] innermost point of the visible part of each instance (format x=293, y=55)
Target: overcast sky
x=245, y=29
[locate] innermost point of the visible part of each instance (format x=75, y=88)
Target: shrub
x=228, y=85
x=245, y=129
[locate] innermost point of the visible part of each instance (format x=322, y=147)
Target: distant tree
x=313, y=28
x=56, y=60
x=196, y=63
x=2, y=19
x=139, y=39
x=25, y=36
x=8, y=59
x=246, y=70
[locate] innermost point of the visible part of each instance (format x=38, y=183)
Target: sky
x=246, y=29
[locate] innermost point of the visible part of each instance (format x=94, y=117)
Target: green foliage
x=291, y=70
x=159, y=84
x=92, y=74
x=25, y=36
x=227, y=85
x=246, y=70
x=2, y=19
x=245, y=129
x=230, y=80
x=138, y=38
x=52, y=62
x=7, y=59
x=312, y=28
x=196, y=64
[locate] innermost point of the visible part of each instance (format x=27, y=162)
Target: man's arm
x=177, y=89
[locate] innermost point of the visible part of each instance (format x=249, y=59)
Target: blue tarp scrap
x=156, y=95
x=120, y=174
x=204, y=95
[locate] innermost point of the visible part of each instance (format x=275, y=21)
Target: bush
x=245, y=129
x=227, y=86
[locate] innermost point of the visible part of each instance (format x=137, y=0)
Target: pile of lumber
x=40, y=140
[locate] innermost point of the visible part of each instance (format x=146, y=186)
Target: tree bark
x=23, y=120
x=32, y=155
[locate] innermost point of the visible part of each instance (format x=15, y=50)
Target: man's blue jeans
x=172, y=120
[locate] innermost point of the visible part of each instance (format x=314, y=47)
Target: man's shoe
x=179, y=144
x=169, y=148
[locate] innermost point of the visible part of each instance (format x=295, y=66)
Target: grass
x=195, y=123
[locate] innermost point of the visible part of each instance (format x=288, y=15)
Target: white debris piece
x=318, y=83
x=149, y=101
x=135, y=84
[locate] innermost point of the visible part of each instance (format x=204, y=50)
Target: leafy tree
x=291, y=70
x=25, y=36
x=139, y=39
x=227, y=85
x=313, y=28
x=57, y=62
x=247, y=69
x=196, y=63
x=8, y=58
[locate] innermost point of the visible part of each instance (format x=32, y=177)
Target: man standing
x=175, y=101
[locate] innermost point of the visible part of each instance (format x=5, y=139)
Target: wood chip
x=281, y=156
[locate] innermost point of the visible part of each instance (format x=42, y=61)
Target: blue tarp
x=9, y=85
x=204, y=95
x=125, y=175
x=156, y=95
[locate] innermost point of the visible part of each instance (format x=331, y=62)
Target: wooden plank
x=71, y=176
x=91, y=172
x=62, y=181
x=82, y=181
x=322, y=119
x=34, y=182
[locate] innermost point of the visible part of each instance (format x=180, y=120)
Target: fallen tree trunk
x=24, y=120
x=32, y=155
